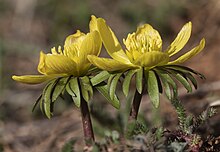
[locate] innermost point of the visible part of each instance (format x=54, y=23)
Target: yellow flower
x=70, y=61
x=143, y=48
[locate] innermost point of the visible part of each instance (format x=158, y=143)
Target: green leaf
x=184, y=81
x=41, y=105
x=113, y=85
x=127, y=81
x=166, y=77
x=36, y=102
x=93, y=69
x=152, y=88
x=159, y=82
x=58, y=89
x=167, y=89
x=186, y=69
x=192, y=79
x=102, y=76
x=69, y=89
x=47, y=98
x=184, y=72
x=86, y=88
x=74, y=86
x=103, y=89
x=166, y=86
x=139, y=80
x=110, y=80
x=177, y=69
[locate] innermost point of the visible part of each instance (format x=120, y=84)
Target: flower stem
x=87, y=123
x=135, y=106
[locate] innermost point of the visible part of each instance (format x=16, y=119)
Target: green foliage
x=98, y=81
x=138, y=136
x=170, y=74
x=181, y=114
x=78, y=88
x=202, y=118
x=127, y=81
x=185, y=138
x=60, y=87
x=139, y=80
x=86, y=88
x=189, y=124
x=103, y=89
x=46, y=99
x=153, y=88
x=136, y=128
x=162, y=79
x=69, y=146
x=113, y=85
x=100, y=77
x=74, y=91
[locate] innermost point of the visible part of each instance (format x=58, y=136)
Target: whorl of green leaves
x=156, y=81
x=162, y=79
x=171, y=74
x=77, y=88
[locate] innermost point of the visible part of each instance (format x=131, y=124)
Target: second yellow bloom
x=143, y=48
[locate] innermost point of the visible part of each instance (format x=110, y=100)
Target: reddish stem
x=87, y=123
x=135, y=106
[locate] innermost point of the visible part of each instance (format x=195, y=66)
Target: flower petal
x=32, y=79
x=190, y=54
x=181, y=40
x=153, y=58
x=74, y=38
x=93, y=24
x=109, y=64
x=110, y=42
x=73, y=43
x=91, y=45
x=133, y=55
x=56, y=64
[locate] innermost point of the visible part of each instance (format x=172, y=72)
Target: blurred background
x=29, y=26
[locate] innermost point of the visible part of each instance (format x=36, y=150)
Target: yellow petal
x=73, y=43
x=32, y=79
x=190, y=54
x=91, y=45
x=56, y=64
x=109, y=64
x=96, y=42
x=153, y=58
x=133, y=55
x=74, y=38
x=93, y=24
x=110, y=42
x=181, y=40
